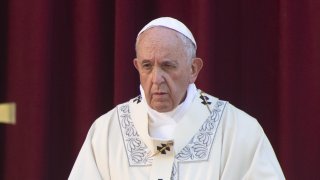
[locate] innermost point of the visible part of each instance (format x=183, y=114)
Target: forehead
x=160, y=39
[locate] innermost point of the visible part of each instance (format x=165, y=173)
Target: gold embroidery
x=205, y=100
x=170, y=143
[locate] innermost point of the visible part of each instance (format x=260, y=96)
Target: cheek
x=145, y=83
x=143, y=76
x=180, y=79
x=178, y=85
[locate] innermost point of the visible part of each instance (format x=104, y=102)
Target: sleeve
x=86, y=165
x=247, y=153
x=264, y=165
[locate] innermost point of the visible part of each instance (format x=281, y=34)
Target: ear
x=135, y=63
x=196, y=66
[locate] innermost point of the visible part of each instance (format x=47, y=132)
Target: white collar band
x=162, y=125
x=176, y=113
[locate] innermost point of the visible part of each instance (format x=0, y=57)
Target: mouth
x=159, y=93
x=159, y=97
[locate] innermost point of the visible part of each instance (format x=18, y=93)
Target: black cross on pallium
x=204, y=100
x=137, y=99
x=163, y=148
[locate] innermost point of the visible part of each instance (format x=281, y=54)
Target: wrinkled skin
x=164, y=67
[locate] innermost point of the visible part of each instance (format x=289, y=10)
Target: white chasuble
x=213, y=140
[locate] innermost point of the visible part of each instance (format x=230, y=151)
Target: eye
x=146, y=65
x=169, y=65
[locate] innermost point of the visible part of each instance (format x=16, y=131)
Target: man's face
x=164, y=68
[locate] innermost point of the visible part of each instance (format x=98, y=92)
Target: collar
x=162, y=125
x=194, y=117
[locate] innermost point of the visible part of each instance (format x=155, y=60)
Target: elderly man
x=173, y=130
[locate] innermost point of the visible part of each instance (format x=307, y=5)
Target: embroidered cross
x=137, y=99
x=163, y=148
x=204, y=100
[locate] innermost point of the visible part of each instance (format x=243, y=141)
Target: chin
x=162, y=108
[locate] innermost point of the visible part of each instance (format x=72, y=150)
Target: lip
x=159, y=93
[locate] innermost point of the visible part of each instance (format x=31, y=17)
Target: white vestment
x=213, y=140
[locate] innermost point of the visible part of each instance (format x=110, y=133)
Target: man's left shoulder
x=232, y=115
x=241, y=120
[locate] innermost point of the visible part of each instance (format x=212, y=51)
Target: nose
x=157, y=76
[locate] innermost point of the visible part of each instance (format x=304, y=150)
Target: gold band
x=8, y=113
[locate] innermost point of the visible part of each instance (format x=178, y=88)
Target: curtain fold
x=299, y=62
x=66, y=62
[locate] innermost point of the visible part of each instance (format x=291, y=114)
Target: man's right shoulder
x=113, y=113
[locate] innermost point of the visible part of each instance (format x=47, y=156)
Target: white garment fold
x=162, y=125
x=118, y=145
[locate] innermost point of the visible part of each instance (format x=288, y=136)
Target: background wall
x=66, y=62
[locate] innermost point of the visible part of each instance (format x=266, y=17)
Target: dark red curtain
x=66, y=62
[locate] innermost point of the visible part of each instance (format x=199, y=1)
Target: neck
x=162, y=125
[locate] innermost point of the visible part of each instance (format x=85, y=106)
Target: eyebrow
x=175, y=62
x=145, y=61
